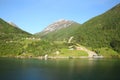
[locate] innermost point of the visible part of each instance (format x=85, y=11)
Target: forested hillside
x=101, y=31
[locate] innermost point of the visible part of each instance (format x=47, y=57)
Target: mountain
x=59, y=29
x=10, y=31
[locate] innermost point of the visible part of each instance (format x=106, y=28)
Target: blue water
x=59, y=69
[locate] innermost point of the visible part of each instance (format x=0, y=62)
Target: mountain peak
x=63, y=20
x=62, y=23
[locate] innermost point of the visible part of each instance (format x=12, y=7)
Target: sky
x=34, y=15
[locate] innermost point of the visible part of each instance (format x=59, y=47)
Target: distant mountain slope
x=8, y=31
x=61, y=30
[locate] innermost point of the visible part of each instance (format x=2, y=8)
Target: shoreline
x=54, y=57
x=59, y=57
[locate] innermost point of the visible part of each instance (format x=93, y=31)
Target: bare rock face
x=57, y=25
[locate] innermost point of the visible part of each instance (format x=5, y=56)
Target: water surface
x=59, y=69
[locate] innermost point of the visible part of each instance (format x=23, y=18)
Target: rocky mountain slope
x=56, y=26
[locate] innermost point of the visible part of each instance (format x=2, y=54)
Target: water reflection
x=59, y=69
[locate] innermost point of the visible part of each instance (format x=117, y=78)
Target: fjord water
x=59, y=69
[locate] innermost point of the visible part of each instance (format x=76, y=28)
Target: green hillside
x=10, y=37
x=8, y=32
x=101, y=31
